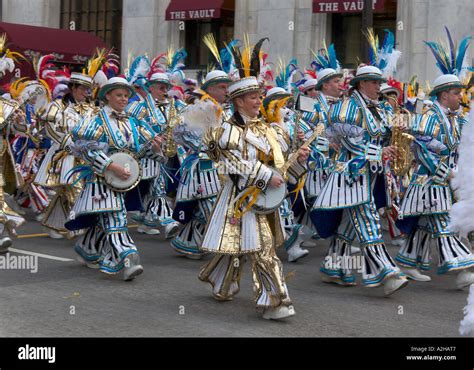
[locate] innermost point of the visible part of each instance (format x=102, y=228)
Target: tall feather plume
x=325, y=58
x=388, y=55
x=227, y=58
x=158, y=64
x=210, y=41
x=373, y=41
x=286, y=74
x=450, y=58
x=138, y=70
x=246, y=55
x=238, y=60
x=256, y=58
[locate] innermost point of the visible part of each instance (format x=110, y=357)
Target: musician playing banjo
x=100, y=208
x=248, y=148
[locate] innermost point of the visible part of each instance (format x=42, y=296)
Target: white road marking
x=40, y=255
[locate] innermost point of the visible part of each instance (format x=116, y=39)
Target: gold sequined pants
x=223, y=272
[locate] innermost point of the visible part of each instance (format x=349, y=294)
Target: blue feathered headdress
x=450, y=59
x=138, y=71
x=325, y=58
x=385, y=56
x=286, y=75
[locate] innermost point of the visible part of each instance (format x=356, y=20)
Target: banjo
x=271, y=198
x=129, y=161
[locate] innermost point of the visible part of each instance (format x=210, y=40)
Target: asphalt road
x=64, y=298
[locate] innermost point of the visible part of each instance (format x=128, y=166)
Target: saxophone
x=401, y=164
x=174, y=119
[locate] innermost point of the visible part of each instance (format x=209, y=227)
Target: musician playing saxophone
x=107, y=244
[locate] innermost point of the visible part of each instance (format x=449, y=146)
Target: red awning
x=344, y=6
x=183, y=10
x=68, y=46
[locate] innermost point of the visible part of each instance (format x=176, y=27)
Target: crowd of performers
x=356, y=154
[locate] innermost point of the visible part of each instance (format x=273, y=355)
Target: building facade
x=295, y=28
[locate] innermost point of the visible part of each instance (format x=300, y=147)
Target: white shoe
x=134, y=268
x=39, y=217
x=5, y=243
x=464, y=279
x=414, y=274
x=53, y=234
x=355, y=250
x=398, y=242
x=142, y=229
x=194, y=256
x=277, y=313
x=171, y=230
x=91, y=265
x=392, y=284
x=296, y=252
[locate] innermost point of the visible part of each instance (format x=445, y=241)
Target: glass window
x=222, y=28
x=346, y=32
x=102, y=18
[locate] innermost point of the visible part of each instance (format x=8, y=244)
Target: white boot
x=133, y=267
x=464, y=279
x=143, y=229
x=296, y=252
x=414, y=274
x=91, y=265
x=5, y=243
x=392, y=284
x=277, y=313
x=171, y=229
x=53, y=234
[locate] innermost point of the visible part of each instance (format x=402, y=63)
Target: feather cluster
x=138, y=70
x=8, y=58
x=325, y=58
x=385, y=57
x=450, y=58
x=103, y=66
x=252, y=61
x=461, y=211
x=286, y=76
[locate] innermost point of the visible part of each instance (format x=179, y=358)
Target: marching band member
x=326, y=91
x=30, y=147
x=346, y=206
x=429, y=198
x=11, y=118
x=62, y=115
x=199, y=183
x=162, y=112
x=103, y=211
x=248, y=147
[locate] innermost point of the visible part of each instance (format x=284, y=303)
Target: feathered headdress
x=286, y=76
x=384, y=57
x=224, y=58
x=171, y=63
x=450, y=58
x=138, y=71
x=8, y=58
x=102, y=66
x=325, y=58
x=252, y=61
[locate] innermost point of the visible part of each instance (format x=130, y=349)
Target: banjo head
x=126, y=160
x=270, y=199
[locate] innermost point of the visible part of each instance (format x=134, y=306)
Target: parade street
x=64, y=298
